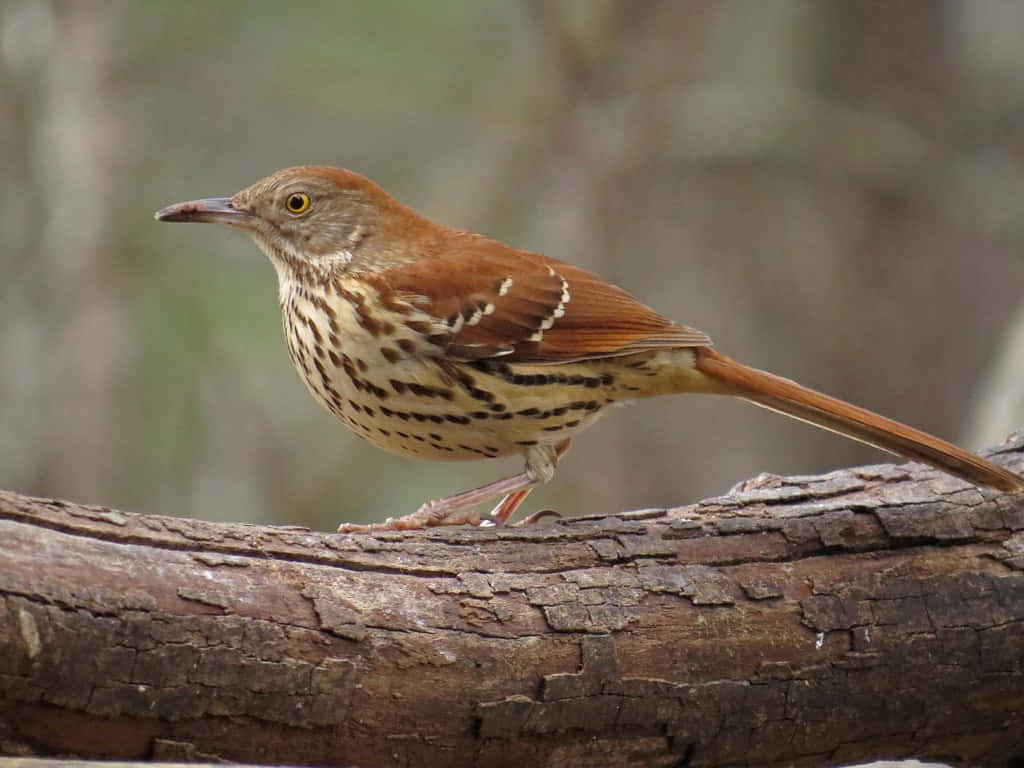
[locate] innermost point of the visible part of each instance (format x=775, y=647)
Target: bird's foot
x=536, y=517
x=431, y=514
x=457, y=509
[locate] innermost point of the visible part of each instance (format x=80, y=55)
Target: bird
x=436, y=343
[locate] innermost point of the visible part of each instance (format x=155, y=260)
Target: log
x=869, y=613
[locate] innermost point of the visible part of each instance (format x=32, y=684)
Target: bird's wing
x=489, y=300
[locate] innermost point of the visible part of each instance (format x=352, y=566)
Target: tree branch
x=872, y=612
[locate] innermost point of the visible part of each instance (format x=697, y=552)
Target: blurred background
x=831, y=190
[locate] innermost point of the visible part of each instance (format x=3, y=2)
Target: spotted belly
x=433, y=408
x=423, y=409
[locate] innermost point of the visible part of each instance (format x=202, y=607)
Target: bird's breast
x=373, y=365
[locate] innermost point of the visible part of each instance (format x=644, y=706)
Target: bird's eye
x=297, y=202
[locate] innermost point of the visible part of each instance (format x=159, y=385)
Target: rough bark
x=868, y=613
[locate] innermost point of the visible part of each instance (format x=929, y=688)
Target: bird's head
x=309, y=220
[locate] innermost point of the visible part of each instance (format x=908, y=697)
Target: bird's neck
x=299, y=270
x=395, y=238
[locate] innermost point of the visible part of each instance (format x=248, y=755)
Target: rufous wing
x=498, y=301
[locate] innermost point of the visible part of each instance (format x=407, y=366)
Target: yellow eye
x=297, y=202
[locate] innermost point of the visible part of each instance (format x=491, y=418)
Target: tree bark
x=869, y=613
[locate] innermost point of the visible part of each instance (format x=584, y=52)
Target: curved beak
x=212, y=209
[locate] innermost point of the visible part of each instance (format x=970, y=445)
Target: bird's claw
x=427, y=516
x=536, y=517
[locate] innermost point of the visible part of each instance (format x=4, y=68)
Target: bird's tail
x=778, y=394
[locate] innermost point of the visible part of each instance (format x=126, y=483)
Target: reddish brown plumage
x=394, y=321
x=792, y=399
x=525, y=307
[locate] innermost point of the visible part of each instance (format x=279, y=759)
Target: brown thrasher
x=441, y=344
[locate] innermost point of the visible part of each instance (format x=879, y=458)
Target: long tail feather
x=792, y=399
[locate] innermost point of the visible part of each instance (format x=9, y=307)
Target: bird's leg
x=455, y=509
x=508, y=505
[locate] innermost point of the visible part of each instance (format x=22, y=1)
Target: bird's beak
x=213, y=209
